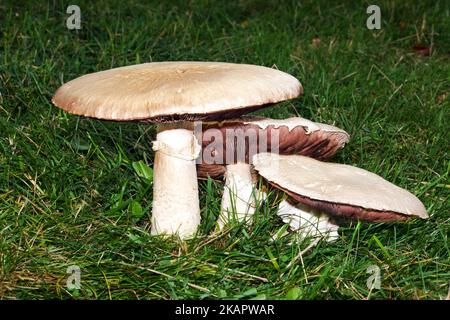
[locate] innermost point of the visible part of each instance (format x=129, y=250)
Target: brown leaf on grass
x=423, y=50
x=442, y=97
x=315, y=42
x=244, y=24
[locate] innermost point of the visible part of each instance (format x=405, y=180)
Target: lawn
x=71, y=194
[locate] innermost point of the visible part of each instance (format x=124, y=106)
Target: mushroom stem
x=238, y=200
x=307, y=221
x=176, y=208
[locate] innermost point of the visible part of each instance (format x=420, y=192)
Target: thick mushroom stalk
x=307, y=221
x=238, y=200
x=176, y=208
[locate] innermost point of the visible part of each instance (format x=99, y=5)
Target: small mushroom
x=234, y=142
x=338, y=189
x=173, y=95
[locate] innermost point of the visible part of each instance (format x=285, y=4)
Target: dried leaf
x=423, y=50
x=315, y=42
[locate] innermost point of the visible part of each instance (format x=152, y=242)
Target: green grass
x=69, y=194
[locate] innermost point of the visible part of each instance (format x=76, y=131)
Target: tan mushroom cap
x=294, y=135
x=176, y=91
x=338, y=189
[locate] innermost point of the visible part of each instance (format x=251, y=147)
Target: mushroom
x=231, y=144
x=338, y=189
x=174, y=95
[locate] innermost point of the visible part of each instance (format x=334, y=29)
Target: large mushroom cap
x=338, y=189
x=289, y=136
x=176, y=91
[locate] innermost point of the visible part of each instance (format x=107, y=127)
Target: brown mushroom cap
x=296, y=136
x=176, y=91
x=338, y=189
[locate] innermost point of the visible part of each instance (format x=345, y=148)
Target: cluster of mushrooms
x=199, y=108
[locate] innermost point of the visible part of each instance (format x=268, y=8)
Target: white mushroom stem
x=241, y=195
x=308, y=222
x=176, y=208
x=238, y=200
